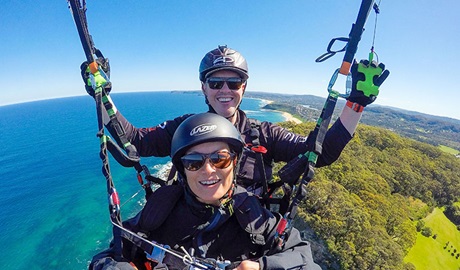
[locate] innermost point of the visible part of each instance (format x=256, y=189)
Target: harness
x=268, y=187
x=158, y=209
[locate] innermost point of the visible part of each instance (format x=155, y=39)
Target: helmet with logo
x=202, y=128
x=223, y=58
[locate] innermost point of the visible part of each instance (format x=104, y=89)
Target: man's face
x=224, y=101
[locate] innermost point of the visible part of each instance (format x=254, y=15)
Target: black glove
x=366, y=80
x=104, y=64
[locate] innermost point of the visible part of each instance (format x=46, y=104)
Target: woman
x=223, y=74
x=208, y=214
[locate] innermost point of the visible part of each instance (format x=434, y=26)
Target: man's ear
x=202, y=88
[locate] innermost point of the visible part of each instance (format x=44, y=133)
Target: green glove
x=366, y=79
x=85, y=72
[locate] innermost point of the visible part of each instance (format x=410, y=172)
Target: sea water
x=53, y=198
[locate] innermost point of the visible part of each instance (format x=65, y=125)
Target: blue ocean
x=53, y=199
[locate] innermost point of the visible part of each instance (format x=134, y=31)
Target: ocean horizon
x=54, y=211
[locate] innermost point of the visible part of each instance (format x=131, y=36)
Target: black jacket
x=281, y=144
x=240, y=230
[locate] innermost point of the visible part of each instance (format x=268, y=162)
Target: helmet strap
x=228, y=196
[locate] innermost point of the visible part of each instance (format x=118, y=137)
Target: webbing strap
x=259, y=151
x=98, y=81
x=319, y=134
x=114, y=202
x=163, y=254
x=307, y=160
x=154, y=252
x=120, y=133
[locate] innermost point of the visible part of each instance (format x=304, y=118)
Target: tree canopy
x=364, y=206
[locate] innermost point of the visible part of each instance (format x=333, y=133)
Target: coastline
x=287, y=116
x=290, y=118
x=266, y=101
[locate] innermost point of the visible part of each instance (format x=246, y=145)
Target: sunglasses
x=220, y=160
x=233, y=83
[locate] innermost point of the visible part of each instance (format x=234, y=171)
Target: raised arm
x=149, y=141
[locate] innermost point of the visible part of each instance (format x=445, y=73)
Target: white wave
x=162, y=170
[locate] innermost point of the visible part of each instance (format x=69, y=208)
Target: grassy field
x=430, y=253
x=449, y=150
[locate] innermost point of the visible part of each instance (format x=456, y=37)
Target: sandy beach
x=287, y=116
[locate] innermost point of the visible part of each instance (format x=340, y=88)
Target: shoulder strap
x=251, y=216
x=259, y=150
x=159, y=206
x=254, y=124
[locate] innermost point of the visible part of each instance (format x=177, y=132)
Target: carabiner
x=347, y=84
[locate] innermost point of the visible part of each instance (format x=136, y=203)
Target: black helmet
x=201, y=128
x=223, y=58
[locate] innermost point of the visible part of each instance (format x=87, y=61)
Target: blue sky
x=157, y=45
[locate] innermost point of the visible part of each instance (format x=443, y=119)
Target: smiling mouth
x=224, y=99
x=209, y=182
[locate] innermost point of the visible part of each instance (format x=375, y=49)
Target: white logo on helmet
x=202, y=129
x=223, y=60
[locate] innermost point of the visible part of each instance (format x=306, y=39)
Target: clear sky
x=157, y=45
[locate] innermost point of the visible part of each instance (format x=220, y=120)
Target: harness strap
x=319, y=134
x=163, y=256
x=98, y=81
x=78, y=11
x=120, y=131
x=310, y=158
x=155, y=253
x=268, y=187
x=259, y=151
x=114, y=202
x=131, y=158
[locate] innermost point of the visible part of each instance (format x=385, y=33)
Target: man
x=223, y=73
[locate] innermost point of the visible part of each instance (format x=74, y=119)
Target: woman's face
x=210, y=183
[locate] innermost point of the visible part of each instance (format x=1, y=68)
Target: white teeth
x=209, y=182
x=224, y=99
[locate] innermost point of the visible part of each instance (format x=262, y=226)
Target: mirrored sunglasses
x=220, y=160
x=233, y=83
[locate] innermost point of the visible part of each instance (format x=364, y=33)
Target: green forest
x=365, y=210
